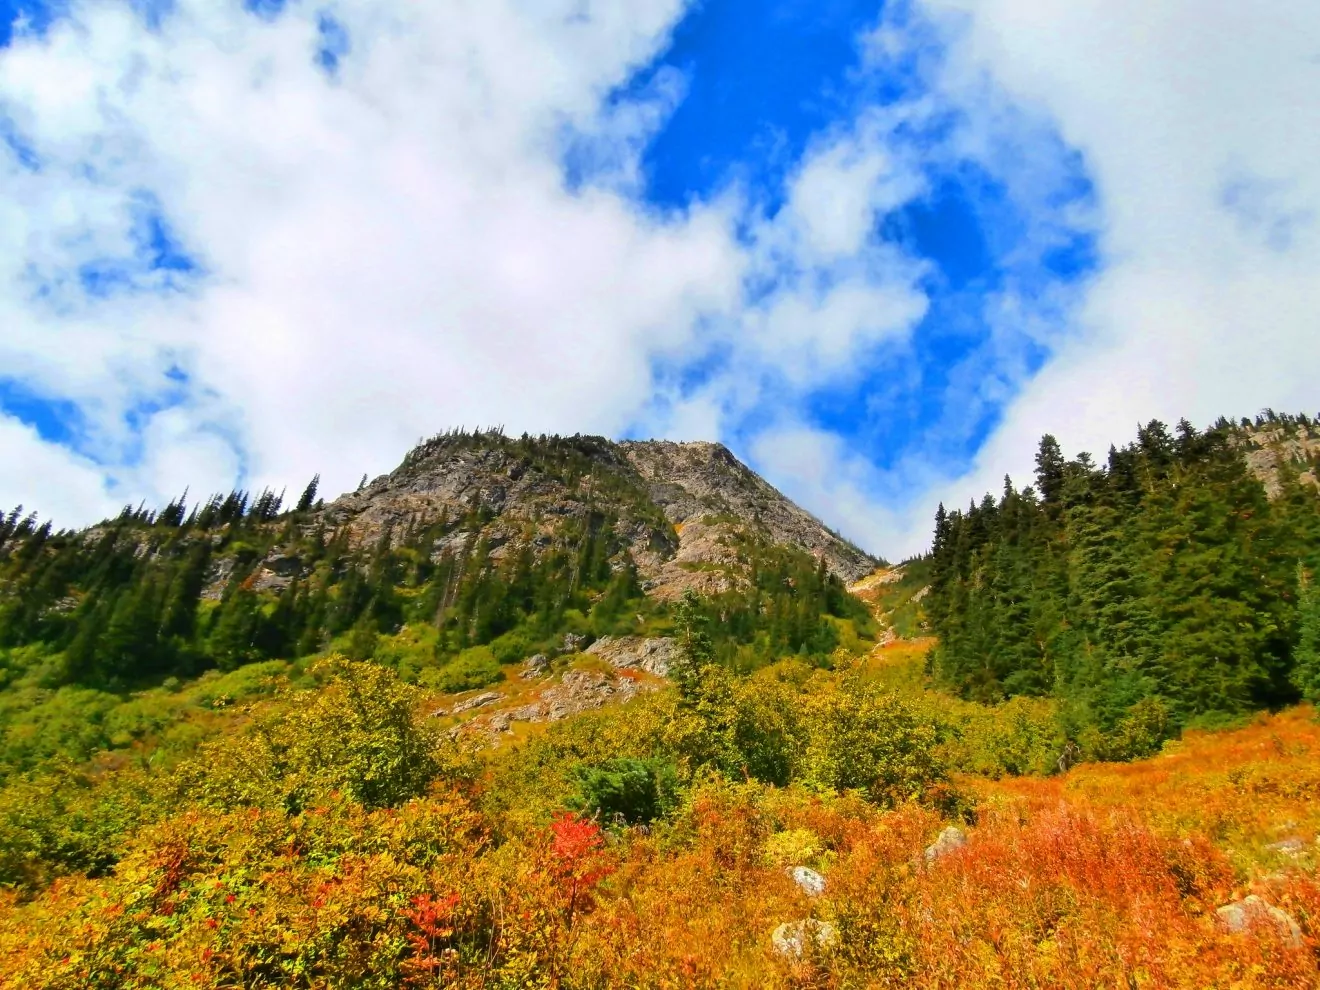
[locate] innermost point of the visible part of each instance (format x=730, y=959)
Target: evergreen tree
x=1306, y=669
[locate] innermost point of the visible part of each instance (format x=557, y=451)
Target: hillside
x=566, y=713
x=1170, y=586
x=678, y=510
x=478, y=553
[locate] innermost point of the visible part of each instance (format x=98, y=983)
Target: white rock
x=796, y=939
x=1252, y=911
x=811, y=882
x=480, y=701
x=950, y=840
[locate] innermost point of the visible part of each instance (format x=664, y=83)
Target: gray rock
x=950, y=840
x=285, y=565
x=480, y=701
x=579, y=691
x=655, y=656
x=572, y=643
x=811, y=882
x=1252, y=912
x=795, y=939
x=535, y=666
x=1288, y=847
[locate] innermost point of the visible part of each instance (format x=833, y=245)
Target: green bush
x=476, y=667
x=59, y=821
x=359, y=736
x=513, y=646
x=626, y=790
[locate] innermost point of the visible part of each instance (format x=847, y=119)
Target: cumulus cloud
x=1200, y=126
x=267, y=246
x=379, y=245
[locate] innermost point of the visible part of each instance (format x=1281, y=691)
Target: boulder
x=795, y=939
x=655, y=656
x=811, y=882
x=1252, y=912
x=950, y=840
x=535, y=666
x=480, y=701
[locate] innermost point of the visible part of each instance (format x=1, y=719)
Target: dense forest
x=1163, y=588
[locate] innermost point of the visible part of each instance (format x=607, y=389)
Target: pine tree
x=308, y=498
x=1306, y=658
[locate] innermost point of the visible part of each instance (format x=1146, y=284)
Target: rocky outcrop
x=1270, y=452
x=678, y=510
x=535, y=666
x=578, y=691
x=655, y=656
x=694, y=481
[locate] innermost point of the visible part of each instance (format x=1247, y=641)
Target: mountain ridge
x=680, y=506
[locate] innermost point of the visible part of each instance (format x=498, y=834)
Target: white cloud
x=1200, y=124
x=816, y=468
x=386, y=254
x=396, y=249
x=70, y=484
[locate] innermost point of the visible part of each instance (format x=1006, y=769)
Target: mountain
x=476, y=542
x=565, y=713
x=678, y=509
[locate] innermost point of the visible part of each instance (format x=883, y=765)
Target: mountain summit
x=680, y=511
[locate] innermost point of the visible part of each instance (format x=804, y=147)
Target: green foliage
x=359, y=736
x=860, y=738
x=1306, y=671
x=61, y=820
x=476, y=667
x=626, y=790
x=1144, y=595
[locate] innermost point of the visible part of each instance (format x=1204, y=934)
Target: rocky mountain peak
x=678, y=510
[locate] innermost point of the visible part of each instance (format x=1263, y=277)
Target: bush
x=60, y=821
x=858, y=737
x=476, y=667
x=359, y=736
x=513, y=646
x=626, y=790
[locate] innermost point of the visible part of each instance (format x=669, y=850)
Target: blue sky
x=875, y=248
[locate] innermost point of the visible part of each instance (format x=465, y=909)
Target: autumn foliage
x=1106, y=877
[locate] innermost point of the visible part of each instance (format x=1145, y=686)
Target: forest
x=1159, y=590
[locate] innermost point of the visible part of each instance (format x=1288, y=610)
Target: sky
x=877, y=249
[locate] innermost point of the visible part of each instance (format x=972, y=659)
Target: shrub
x=476, y=667
x=626, y=790
x=359, y=736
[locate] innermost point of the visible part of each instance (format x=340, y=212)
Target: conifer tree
x=1306, y=666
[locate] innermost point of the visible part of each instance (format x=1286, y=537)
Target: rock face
x=579, y=691
x=535, y=666
x=634, y=653
x=1269, y=452
x=677, y=509
x=691, y=481
x=1255, y=912
x=795, y=939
